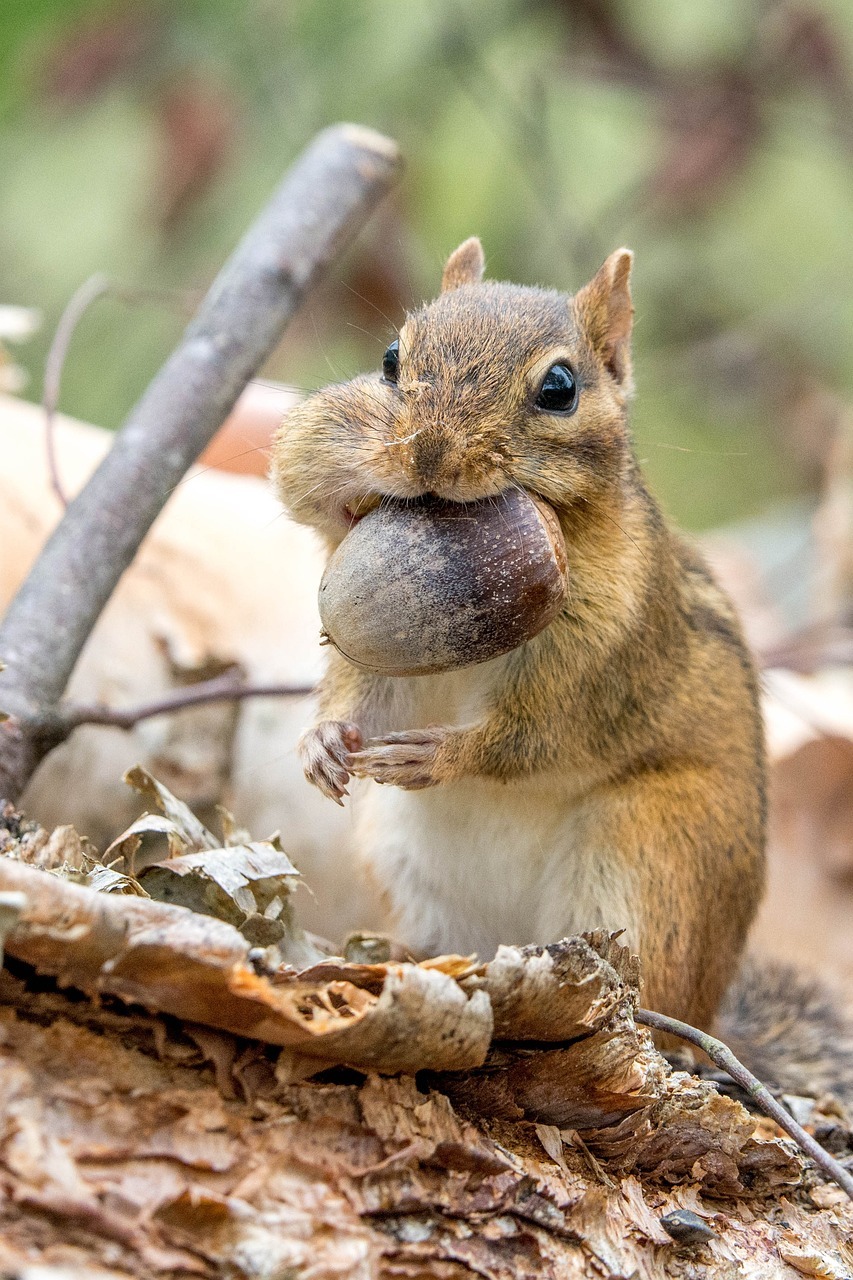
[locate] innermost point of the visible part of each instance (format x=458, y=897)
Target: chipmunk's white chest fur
x=469, y=865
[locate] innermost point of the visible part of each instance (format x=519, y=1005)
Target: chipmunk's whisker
x=388, y=444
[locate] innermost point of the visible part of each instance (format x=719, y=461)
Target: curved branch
x=321, y=204
x=97, y=286
x=220, y=689
x=79, y=302
x=722, y=1057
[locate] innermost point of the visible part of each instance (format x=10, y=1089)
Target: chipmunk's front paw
x=411, y=760
x=324, y=751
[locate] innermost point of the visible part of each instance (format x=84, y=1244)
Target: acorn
x=430, y=585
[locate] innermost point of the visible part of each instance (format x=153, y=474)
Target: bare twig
x=314, y=214
x=79, y=302
x=722, y=1057
x=224, y=688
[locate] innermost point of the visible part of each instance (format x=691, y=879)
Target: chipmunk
x=610, y=771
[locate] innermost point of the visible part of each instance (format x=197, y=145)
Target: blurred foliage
x=139, y=139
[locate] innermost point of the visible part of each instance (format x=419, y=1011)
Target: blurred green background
x=139, y=139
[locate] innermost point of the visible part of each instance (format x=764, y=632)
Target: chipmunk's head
x=488, y=386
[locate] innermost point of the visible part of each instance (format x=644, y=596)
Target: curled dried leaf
x=127, y=844
x=107, y=880
x=231, y=833
x=185, y=827
x=551, y=1138
x=553, y=993
x=589, y=1084
x=247, y=885
x=230, y=884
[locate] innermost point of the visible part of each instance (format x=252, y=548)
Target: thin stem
x=76, y=307
x=97, y=286
x=722, y=1057
x=220, y=689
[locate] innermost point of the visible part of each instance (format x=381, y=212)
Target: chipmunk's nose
x=438, y=458
x=431, y=459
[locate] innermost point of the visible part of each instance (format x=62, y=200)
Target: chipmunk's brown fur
x=617, y=758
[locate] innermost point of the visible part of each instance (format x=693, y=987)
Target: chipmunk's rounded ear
x=464, y=266
x=605, y=313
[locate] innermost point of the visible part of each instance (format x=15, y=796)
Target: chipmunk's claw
x=323, y=751
x=406, y=760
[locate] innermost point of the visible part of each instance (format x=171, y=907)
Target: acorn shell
x=430, y=585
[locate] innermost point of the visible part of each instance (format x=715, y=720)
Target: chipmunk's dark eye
x=390, y=362
x=559, y=390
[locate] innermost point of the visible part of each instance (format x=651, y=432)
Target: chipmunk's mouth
x=358, y=508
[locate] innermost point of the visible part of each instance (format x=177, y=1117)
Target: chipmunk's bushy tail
x=792, y=1030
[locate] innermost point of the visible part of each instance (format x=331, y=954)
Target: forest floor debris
x=177, y=1105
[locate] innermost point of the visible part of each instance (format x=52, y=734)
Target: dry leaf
x=185, y=826
x=106, y=880
x=552, y=1140
x=590, y=1084
x=801, y=1256
x=231, y=884
x=127, y=844
x=551, y=993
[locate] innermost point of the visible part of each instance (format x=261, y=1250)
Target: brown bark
x=146, y=1148
x=249, y=1124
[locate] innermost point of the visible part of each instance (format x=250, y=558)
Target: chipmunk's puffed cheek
x=356, y=509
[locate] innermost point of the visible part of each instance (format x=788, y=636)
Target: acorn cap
x=431, y=585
